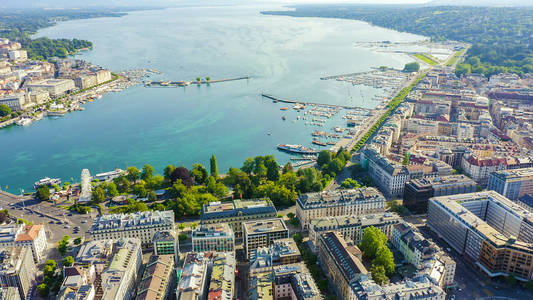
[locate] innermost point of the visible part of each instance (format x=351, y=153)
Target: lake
x=284, y=56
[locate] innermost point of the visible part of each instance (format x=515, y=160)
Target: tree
x=98, y=195
x=4, y=110
x=182, y=174
x=140, y=190
x=322, y=285
x=373, y=239
x=378, y=274
x=68, y=261
x=198, y=79
x=152, y=196
x=208, y=79
x=62, y=246
x=3, y=217
x=43, y=289
x=411, y=67
x=182, y=237
x=298, y=238
x=199, y=173
x=112, y=189
x=132, y=174
x=324, y=157
x=350, y=183
x=123, y=184
x=168, y=172
x=193, y=225
x=406, y=159
x=147, y=172
x=213, y=165
x=182, y=226
x=77, y=241
x=43, y=193
x=385, y=258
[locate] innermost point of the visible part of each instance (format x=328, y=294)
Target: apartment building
x=291, y=281
x=513, y=184
x=281, y=252
x=340, y=265
x=140, y=225
x=480, y=168
x=193, y=282
x=355, y=202
x=236, y=212
x=263, y=233
x=419, y=287
x=158, y=280
x=20, y=235
x=116, y=265
x=165, y=242
x=18, y=270
x=489, y=229
x=213, y=237
x=55, y=87
x=222, y=283
x=418, y=191
x=352, y=227
x=424, y=255
x=388, y=176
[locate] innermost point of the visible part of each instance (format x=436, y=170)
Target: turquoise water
x=285, y=57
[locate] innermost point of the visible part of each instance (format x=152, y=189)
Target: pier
x=187, y=83
x=311, y=103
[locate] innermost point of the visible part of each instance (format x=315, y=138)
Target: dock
x=311, y=103
x=187, y=83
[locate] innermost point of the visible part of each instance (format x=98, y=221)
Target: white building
x=338, y=203
x=140, y=225
x=388, y=176
x=55, y=87
x=15, y=101
x=20, y=235
x=117, y=264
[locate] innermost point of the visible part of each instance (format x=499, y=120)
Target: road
x=52, y=216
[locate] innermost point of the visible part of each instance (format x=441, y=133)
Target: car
x=84, y=221
x=51, y=222
x=59, y=222
x=69, y=215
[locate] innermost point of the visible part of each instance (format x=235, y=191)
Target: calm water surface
x=285, y=57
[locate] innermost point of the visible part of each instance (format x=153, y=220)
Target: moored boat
x=297, y=149
x=46, y=181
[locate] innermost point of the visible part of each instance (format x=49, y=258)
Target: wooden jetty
x=312, y=103
x=187, y=83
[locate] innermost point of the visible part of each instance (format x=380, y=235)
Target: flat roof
x=264, y=226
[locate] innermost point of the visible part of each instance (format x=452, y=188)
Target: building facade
x=340, y=266
x=352, y=227
x=513, y=184
x=20, y=235
x=159, y=279
x=140, y=225
x=236, y=212
x=18, y=270
x=338, y=203
x=213, y=237
x=263, y=233
x=165, y=242
x=488, y=229
x=418, y=191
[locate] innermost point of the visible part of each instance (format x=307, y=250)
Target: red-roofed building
x=34, y=237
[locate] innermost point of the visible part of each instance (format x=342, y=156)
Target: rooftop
x=338, y=197
x=514, y=174
x=213, y=230
x=264, y=226
x=128, y=221
x=349, y=265
x=237, y=207
x=156, y=278
x=454, y=204
x=326, y=223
